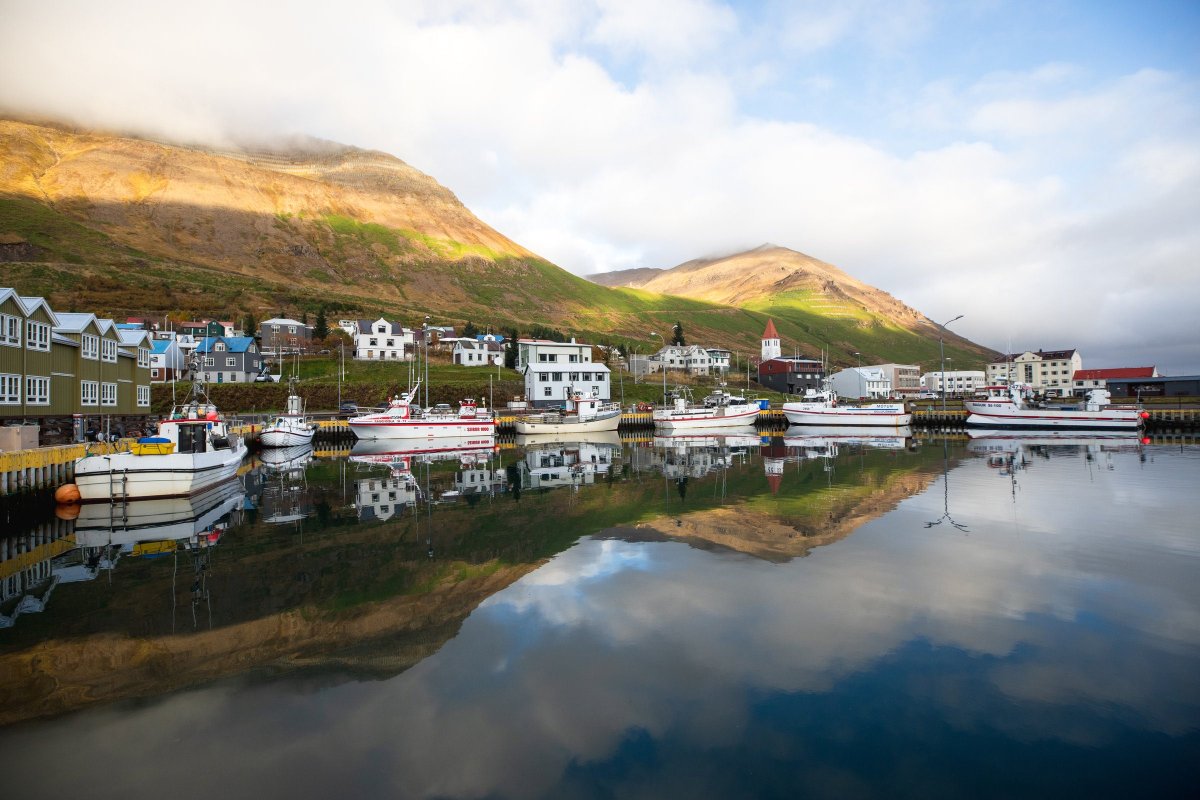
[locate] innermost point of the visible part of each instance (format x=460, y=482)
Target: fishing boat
x=161, y=519
x=1012, y=406
x=292, y=428
x=721, y=410
x=401, y=419
x=820, y=407
x=584, y=413
x=193, y=451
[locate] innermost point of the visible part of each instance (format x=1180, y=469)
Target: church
x=788, y=374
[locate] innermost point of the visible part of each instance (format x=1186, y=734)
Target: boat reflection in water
x=381, y=498
x=285, y=497
x=824, y=441
x=697, y=452
x=552, y=461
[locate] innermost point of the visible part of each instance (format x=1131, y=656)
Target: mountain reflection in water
x=685, y=645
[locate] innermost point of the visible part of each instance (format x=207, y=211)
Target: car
x=927, y=396
x=348, y=407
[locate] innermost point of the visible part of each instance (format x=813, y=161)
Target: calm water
x=708, y=617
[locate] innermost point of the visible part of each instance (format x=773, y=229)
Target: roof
x=367, y=326
x=133, y=337
x=31, y=303
x=1054, y=355
x=161, y=345
x=278, y=321
x=236, y=344
x=74, y=322
x=770, y=332
x=1116, y=372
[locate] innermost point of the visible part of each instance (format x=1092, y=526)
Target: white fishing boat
x=442, y=448
x=820, y=407
x=610, y=438
x=193, y=451
x=292, y=428
x=720, y=410
x=404, y=420
x=583, y=413
x=1012, y=406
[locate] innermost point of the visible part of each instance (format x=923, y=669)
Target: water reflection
x=799, y=631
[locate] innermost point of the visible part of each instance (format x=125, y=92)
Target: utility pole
x=942, y=348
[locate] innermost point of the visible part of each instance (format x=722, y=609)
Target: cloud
x=1039, y=201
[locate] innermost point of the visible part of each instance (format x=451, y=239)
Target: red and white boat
x=1012, y=406
x=403, y=420
x=720, y=410
x=821, y=408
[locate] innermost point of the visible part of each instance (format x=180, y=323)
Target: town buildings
x=862, y=383
x=282, y=336
x=791, y=374
x=905, y=378
x=1043, y=370
x=229, y=359
x=957, y=383
x=380, y=340
x=1085, y=380
x=553, y=369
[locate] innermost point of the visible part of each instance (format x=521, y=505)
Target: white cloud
x=608, y=135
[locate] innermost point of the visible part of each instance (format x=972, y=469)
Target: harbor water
x=809, y=614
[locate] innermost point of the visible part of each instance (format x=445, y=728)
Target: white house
x=1044, y=369
x=692, y=359
x=861, y=382
x=552, y=369
x=957, y=382
x=478, y=352
x=381, y=340
x=167, y=361
x=719, y=359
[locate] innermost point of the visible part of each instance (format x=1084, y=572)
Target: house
x=477, y=352
x=552, y=369
x=58, y=364
x=202, y=328
x=381, y=340
x=282, y=336
x=861, y=383
x=905, y=378
x=719, y=359
x=960, y=383
x=1085, y=380
x=691, y=359
x=1042, y=370
x=167, y=360
x=792, y=375
x=229, y=359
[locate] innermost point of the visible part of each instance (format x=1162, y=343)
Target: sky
x=1034, y=167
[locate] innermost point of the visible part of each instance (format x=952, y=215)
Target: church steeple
x=770, y=342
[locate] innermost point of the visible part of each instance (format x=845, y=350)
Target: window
x=233, y=377
x=91, y=347
x=543, y=357
x=89, y=393
x=143, y=357
x=108, y=350
x=556, y=376
x=596, y=390
x=230, y=361
x=600, y=377
x=208, y=362
x=543, y=376
x=10, y=330
x=39, y=335
x=373, y=342
x=108, y=394
x=219, y=347
x=574, y=376
x=573, y=358
x=154, y=372
x=546, y=391
x=37, y=390
x=10, y=390
x=585, y=376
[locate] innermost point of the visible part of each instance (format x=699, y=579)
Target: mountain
x=120, y=225
x=832, y=310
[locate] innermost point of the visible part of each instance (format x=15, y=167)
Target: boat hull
x=541, y=424
x=726, y=417
x=125, y=476
x=420, y=429
x=1006, y=415
x=285, y=437
x=880, y=415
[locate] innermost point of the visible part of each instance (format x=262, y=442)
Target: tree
x=250, y=324
x=469, y=330
x=510, y=351
x=677, y=335
x=321, y=326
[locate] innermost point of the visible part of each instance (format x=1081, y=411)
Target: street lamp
x=942, y=348
x=662, y=367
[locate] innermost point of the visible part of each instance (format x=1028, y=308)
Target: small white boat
x=610, y=438
x=720, y=410
x=821, y=408
x=291, y=428
x=1011, y=406
x=193, y=451
x=584, y=413
x=403, y=420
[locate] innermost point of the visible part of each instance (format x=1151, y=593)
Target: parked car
x=927, y=396
x=348, y=407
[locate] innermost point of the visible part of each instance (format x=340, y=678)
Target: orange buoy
x=67, y=511
x=67, y=493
